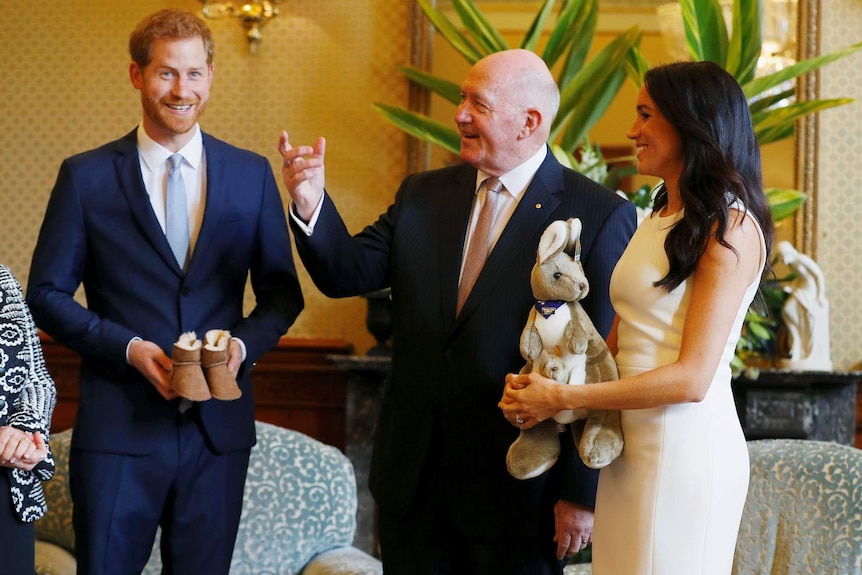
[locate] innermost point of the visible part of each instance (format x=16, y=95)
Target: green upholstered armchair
x=299, y=512
x=803, y=514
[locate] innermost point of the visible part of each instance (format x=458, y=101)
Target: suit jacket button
x=186, y=291
x=450, y=354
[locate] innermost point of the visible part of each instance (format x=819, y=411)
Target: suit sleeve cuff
x=128, y=347
x=579, y=481
x=306, y=227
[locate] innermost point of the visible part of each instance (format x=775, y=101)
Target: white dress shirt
x=154, y=170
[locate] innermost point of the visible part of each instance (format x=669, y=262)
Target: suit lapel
x=128, y=167
x=530, y=218
x=215, y=195
x=452, y=228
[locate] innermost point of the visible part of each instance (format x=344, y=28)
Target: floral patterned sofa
x=803, y=515
x=299, y=512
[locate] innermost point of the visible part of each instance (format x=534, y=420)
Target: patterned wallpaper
x=321, y=65
x=839, y=180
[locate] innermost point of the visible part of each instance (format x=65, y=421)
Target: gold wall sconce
x=252, y=15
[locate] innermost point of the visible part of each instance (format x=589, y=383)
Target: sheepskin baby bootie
x=187, y=378
x=214, y=361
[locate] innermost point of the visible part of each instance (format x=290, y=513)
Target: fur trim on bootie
x=187, y=378
x=214, y=362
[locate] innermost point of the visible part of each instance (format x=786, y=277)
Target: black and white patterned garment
x=27, y=393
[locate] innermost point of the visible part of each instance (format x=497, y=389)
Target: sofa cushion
x=299, y=502
x=56, y=526
x=54, y=560
x=803, y=513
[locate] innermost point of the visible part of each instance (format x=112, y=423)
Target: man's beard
x=155, y=111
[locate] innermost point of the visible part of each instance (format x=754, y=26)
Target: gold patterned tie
x=480, y=242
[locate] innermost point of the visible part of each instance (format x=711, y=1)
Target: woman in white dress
x=672, y=502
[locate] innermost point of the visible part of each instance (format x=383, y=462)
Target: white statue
x=805, y=342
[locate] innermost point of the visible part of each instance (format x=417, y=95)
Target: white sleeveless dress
x=672, y=502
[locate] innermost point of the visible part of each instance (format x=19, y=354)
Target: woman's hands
x=21, y=449
x=529, y=399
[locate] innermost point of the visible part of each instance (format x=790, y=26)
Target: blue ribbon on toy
x=548, y=308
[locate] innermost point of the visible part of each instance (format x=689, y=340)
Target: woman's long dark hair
x=709, y=111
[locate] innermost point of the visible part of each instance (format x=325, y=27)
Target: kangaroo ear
x=553, y=240
x=573, y=246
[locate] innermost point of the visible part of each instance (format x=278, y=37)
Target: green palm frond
x=571, y=38
x=422, y=127
x=759, y=85
x=586, y=98
x=479, y=28
x=705, y=30
x=783, y=203
x=777, y=124
x=440, y=86
x=450, y=32
x=534, y=32
x=745, y=45
x=765, y=102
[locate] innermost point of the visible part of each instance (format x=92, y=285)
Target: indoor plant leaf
x=783, y=203
x=452, y=35
x=479, y=28
x=577, y=26
x=422, y=127
x=779, y=123
x=759, y=85
x=746, y=39
x=563, y=156
x=765, y=102
x=588, y=95
x=534, y=32
x=705, y=30
x=569, y=28
x=448, y=90
x=636, y=66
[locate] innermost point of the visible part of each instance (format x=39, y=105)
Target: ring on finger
x=518, y=419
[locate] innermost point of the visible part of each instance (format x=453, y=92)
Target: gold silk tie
x=480, y=242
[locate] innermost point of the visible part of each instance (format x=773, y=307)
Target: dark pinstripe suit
x=440, y=407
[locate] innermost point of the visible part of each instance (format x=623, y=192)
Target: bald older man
x=446, y=502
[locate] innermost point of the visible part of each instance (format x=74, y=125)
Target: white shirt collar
x=154, y=154
x=518, y=178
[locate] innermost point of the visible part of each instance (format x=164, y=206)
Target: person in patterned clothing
x=27, y=398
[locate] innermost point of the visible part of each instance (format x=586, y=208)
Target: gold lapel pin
x=538, y=206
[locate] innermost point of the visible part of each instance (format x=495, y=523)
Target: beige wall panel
x=839, y=179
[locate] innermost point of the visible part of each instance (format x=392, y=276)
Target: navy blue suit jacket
x=448, y=372
x=100, y=230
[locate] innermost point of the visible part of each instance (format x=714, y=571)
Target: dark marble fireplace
x=798, y=404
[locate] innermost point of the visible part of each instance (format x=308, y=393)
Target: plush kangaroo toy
x=561, y=343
